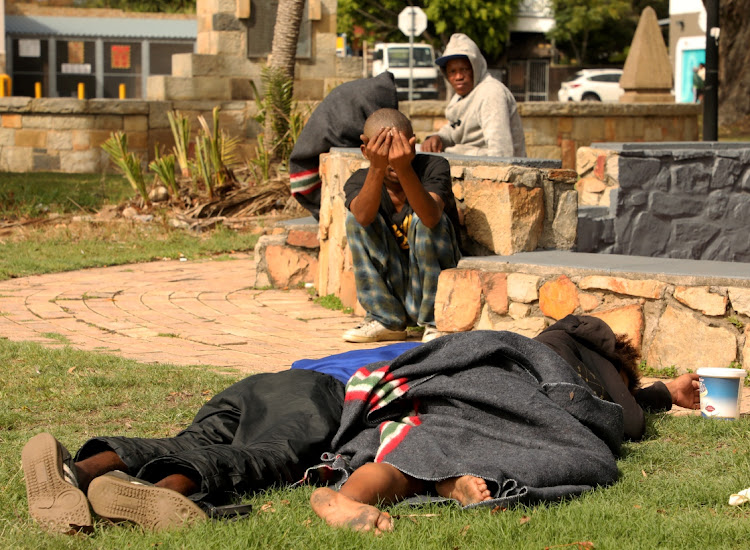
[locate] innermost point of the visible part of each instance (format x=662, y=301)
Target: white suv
x=592, y=85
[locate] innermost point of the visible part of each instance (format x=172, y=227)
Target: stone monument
x=647, y=75
x=233, y=44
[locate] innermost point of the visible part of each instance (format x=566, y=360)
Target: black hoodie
x=588, y=345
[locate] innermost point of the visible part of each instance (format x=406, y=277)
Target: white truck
x=394, y=57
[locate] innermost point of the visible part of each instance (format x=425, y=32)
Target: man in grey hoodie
x=482, y=116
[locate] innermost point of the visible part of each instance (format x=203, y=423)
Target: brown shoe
x=54, y=499
x=119, y=497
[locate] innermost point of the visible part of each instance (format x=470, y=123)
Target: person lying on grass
x=262, y=431
x=490, y=419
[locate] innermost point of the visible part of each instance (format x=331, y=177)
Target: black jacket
x=588, y=344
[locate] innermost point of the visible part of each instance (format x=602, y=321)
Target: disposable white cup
x=721, y=392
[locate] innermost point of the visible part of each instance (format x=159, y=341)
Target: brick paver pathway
x=194, y=312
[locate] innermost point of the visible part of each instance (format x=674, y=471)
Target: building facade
x=687, y=44
x=107, y=56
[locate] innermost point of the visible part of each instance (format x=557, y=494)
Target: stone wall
x=506, y=208
x=555, y=130
x=676, y=200
x=681, y=313
x=223, y=67
x=66, y=134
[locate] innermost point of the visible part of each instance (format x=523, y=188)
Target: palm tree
x=285, y=36
x=281, y=66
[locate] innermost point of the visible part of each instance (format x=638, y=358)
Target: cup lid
x=721, y=373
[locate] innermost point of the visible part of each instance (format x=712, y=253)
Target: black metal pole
x=711, y=91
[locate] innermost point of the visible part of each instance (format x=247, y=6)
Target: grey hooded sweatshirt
x=486, y=121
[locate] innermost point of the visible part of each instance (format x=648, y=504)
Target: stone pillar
x=219, y=29
x=221, y=69
x=647, y=75
x=231, y=53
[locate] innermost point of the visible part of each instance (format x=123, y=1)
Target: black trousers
x=262, y=431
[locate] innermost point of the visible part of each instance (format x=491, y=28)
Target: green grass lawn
x=61, y=245
x=672, y=492
x=78, y=246
x=34, y=194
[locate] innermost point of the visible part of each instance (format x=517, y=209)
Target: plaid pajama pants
x=397, y=287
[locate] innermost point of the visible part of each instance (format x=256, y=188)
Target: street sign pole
x=412, y=21
x=411, y=56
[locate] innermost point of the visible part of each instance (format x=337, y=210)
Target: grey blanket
x=491, y=404
x=337, y=122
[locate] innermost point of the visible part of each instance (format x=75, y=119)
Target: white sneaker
x=430, y=333
x=372, y=331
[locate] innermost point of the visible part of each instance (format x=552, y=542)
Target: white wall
x=685, y=6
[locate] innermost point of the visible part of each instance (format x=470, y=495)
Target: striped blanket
x=492, y=404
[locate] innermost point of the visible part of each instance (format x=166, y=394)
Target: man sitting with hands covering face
x=402, y=230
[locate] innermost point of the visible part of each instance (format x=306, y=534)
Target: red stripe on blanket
x=299, y=175
x=397, y=438
x=356, y=395
x=308, y=190
x=396, y=389
x=363, y=372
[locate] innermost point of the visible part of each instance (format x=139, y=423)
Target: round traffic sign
x=412, y=21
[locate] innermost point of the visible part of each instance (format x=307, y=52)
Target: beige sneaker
x=119, y=497
x=373, y=331
x=54, y=499
x=430, y=333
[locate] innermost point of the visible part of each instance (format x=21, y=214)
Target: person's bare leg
x=352, y=506
x=465, y=489
x=97, y=465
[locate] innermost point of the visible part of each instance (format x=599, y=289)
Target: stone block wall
x=65, y=135
x=567, y=125
x=506, y=208
x=555, y=130
x=687, y=314
x=289, y=256
x=221, y=69
x=677, y=200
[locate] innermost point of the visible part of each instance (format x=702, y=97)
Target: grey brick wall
x=686, y=200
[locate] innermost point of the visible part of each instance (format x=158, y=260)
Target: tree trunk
x=285, y=35
x=282, y=61
x=584, y=47
x=734, y=76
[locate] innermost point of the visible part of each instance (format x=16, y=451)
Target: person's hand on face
x=402, y=151
x=377, y=148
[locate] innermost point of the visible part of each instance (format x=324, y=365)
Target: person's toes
x=384, y=522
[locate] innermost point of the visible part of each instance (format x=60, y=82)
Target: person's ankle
x=180, y=483
x=97, y=465
x=84, y=477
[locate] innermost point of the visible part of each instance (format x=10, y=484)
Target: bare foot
x=341, y=511
x=465, y=489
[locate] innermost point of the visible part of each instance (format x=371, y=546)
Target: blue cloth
x=343, y=365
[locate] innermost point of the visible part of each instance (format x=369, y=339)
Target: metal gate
x=528, y=79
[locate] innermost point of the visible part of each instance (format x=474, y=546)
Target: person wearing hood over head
x=483, y=118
